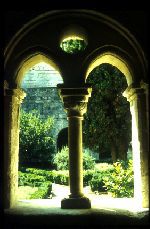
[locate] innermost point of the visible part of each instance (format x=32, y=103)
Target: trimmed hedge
x=30, y=179
x=43, y=192
x=116, y=178
x=35, y=177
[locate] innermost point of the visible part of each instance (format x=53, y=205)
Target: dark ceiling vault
x=135, y=21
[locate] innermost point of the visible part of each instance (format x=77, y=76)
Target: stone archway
x=75, y=92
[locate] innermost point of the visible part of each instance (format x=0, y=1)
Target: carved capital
x=18, y=93
x=75, y=100
x=131, y=93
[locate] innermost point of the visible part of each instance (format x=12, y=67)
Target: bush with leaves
x=97, y=183
x=30, y=179
x=36, y=141
x=61, y=160
x=43, y=192
x=120, y=182
x=102, y=170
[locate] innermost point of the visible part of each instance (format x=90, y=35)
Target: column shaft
x=75, y=156
x=11, y=142
x=75, y=103
x=140, y=144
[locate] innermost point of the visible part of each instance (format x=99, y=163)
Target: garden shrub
x=104, y=167
x=87, y=176
x=41, y=172
x=97, y=180
x=61, y=160
x=120, y=183
x=43, y=192
x=97, y=183
x=30, y=179
x=35, y=177
x=116, y=179
x=88, y=160
x=61, y=177
x=36, y=141
x=34, y=180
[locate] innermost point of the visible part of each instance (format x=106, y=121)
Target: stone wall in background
x=40, y=85
x=48, y=103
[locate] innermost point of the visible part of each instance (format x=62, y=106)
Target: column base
x=76, y=203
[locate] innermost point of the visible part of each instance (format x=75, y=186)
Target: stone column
x=12, y=100
x=140, y=132
x=75, y=102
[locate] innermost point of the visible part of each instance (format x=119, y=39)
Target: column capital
x=18, y=93
x=75, y=99
x=131, y=93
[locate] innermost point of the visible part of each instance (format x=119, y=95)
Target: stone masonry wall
x=48, y=103
x=40, y=85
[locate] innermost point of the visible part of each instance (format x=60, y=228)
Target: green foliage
x=60, y=177
x=103, y=167
x=97, y=183
x=116, y=178
x=30, y=179
x=61, y=160
x=120, y=182
x=35, y=177
x=88, y=161
x=102, y=170
x=43, y=192
x=36, y=141
x=73, y=46
x=108, y=118
x=87, y=176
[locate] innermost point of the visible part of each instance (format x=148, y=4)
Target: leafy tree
x=36, y=141
x=107, y=123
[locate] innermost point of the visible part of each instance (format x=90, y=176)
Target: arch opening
x=118, y=63
x=36, y=59
x=114, y=60
x=42, y=118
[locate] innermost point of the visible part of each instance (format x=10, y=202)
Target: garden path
x=61, y=191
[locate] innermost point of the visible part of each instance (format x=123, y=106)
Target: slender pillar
x=75, y=102
x=12, y=100
x=140, y=132
x=75, y=154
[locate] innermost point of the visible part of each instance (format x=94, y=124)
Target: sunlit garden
x=115, y=179
x=106, y=132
